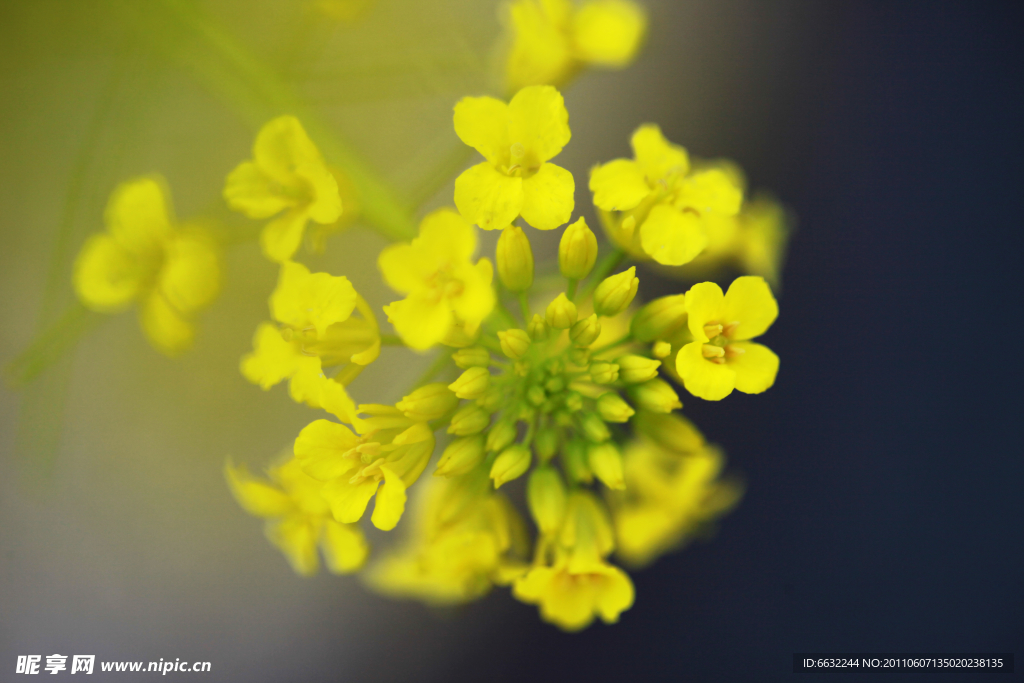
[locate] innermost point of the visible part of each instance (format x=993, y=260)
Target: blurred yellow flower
x=299, y=519
x=517, y=140
x=720, y=357
x=444, y=287
x=552, y=40
x=286, y=174
x=171, y=271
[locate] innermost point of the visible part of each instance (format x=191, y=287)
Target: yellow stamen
x=712, y=330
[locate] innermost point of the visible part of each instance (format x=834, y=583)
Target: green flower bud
x=585, y=331
x=604, y=373
x=470, y=419
x=661, y=349
x=491, y=399
x=472, y=357
x=594, y=428
x=574, y=457
x=659, y=318
x=545, y=494
x=428, y=402
x=536, y=395
x=616, y=292
x=579, y=356
x=538, y=328
x=511, y=464
x=613, y=409
x=546, y=443
x=501, y=435
x=574, y=402
x=577, y=251
x=461, y=456
x=514, y=343
x=515, y=259
x=472, y=383
x=606, y=462
x=636, y=369
x=561, y=313
x=655, y=395
x=670, y=431
x=554, y=385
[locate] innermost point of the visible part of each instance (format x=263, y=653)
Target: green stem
x=603, y=269
x=570, y=290
x=442, y=360
x=391, y=340
x=524, y=306
x=617, y=342
x=50, y=345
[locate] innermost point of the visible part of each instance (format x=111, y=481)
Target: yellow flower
x=578, y=584
x=315, y=329
x=299, y=519
x=464, y=540
x=669, y=495
x=286, y=174
x=720, y=357
x=552, y=40
x=353, y=467
x=663, y=207
x=143, y=257
x=445, y=288
x=517, y=140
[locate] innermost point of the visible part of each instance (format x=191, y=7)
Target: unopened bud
x=574, y=402
x=655, y=395
x=606, y=462
x=594, y=428
x=501, y=435
x=546, y=443
x=561, y=313
x=461, y=456
x=514, y=343
x=472, y=383
x=545, y=494
x=636, y=369
x=472, y=357
x=458, y=337
x=515, y=259
x=670, y=431
x=616, y=292
x=659, y=318
x=604, y=373
x=536, y=395
x=491, y=399
x=470, y=419
x=579, y=356
x=661, y=349
x=428, y=402
x=511, y=464
x=575, y=460
x=577, y=251
x=585, y=331
x=538, y=328
x=613, y=408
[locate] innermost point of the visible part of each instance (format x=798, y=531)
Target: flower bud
x=458, y=337
x=575, y=461
x=670, y=431
x=585, y=331
x=511, y=464
x=501, y=435
x=472, y=357
x=472, y=383
x=659, y=318
x=606, y=462
x=536, y=395
x=545, y=494
x=538, y=328
x=461, y=456
x=594, y=428
x=491, y=399
x=613, y=409
x=661, y=349
x=546, y=443
x=561, y=313
x=470, y=419
x=655, y=395
x=574, y=402
x=428, y=402
x=636, y=369
x=579, y=356
x=514, y=343
x=577, y=251
x=515, y=259
x=604, y=373
x=616, y=292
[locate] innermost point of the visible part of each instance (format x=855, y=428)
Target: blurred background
x=884, y=469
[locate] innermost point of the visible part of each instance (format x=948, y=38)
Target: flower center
x=719, y=348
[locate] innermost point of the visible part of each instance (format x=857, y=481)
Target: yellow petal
x=618, y=185
x=295, y=536
x=344, y=546
x=541, y=53
x=138, y=214
x=615, y=595
x=539, y=121
x=347, y=500
x=420, y=323
x=482, y=123
x=282, y=145
x=303, y=299
x=750, y=303
x=168, y=331
x=254, y=193
x=672, y=237
x=657, y=156
x=256, y=497
x=704, y=304
x=755, y=368
x=711, y=191
x=335, y=400
x=447, y=236
x=488, y=197
x=107, y=276
x=320, y=449
x=272, y=360
x=403, y=267
x=608, y=32
x=306, y=385
x=390, y=501
x=548, y=197
x=701, y=377
x=325, y=207
x=281, y=237
x=190, y=277
x=477, y=299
